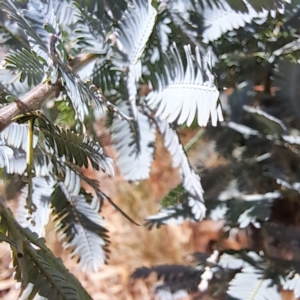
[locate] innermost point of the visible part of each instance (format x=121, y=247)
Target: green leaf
x=80, y=227
x=27, y=64
x=182, y=94
x=73, y=147
x=134, y=144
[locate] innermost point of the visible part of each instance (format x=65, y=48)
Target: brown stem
x=37, y=96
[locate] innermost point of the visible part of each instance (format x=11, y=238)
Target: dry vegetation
x=131, y=246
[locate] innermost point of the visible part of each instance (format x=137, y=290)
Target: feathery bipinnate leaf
x=260, y=279
x=134, y=30
x=71, y=175
x=12, y=86
x=37, y=44
x=187, y=25
x=40, y=279
x=219, y=20
x=73, y=147
x=27, y=66
x=80, y=227
x=191, y=181
x=65, y=13
x=41, y=13
x=174, y=207
x=159, y=39
x=41, y=275
x=130, y=38
x=83, y=94
x=15, y=135
x=107, y=77
x=192, y=205
x=249, y=283
x=80, y=93
x=183, y=94
x=42, y=189
x=61, y=158
x=33, y=21
x=134, y=144
x=91, y=36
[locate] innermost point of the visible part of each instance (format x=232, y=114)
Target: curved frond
x=80, y=227
x=189, y=195
x=160, y=38
x=36, y=42
x=27, y=65
x=183, y=94
x=71, y=175
x=191, y=181
x=219, y=20
x=91, y=36
x=106, y=76
x=187, y=24
x=73, y=147
x=64, y=13
x=77, y=92
x=15, y=135
x=134, y=144
x=41, y=280
x=251, y=285
x=131, y=37
x=82, y=94
x=134, y=29
x=39, y=14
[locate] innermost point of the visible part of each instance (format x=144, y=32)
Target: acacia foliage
x=183, y=53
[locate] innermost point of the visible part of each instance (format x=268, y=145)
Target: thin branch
x=37, y=96
x=193, y=142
